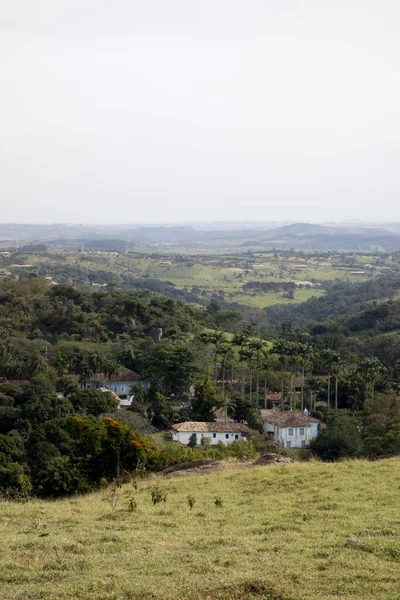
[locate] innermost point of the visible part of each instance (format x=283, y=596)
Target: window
x=214, y=435
x=290, y=432
x=303, y=443
x=236, y=437
x=227, y=436
x=288, y=444
x=301, y=430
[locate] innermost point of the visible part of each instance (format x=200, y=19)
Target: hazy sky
x=173, y=110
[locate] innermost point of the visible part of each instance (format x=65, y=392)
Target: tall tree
x=257, y=347
x=240, y=340
x=330, y=358
x=281, y=350
x=371, y=369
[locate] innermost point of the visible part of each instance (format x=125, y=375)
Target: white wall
x=300, y=437
x=184, y=436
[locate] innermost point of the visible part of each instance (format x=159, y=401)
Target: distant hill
x=298, y=229
x=300, y=236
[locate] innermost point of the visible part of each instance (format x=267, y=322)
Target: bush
x=13, y=480
x=93, y=402
x=60, y=477
x=341, y=439
x=264, y=444
x=192, y=443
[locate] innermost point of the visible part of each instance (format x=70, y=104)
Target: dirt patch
x=195, y=465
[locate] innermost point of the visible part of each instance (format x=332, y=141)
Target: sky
x=132, y=111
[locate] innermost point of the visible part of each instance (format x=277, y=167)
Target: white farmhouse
x=217, y=432
x=290, y=429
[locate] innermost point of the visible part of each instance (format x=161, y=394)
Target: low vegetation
x=294, y=532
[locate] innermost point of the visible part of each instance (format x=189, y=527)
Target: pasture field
x=205, y=276
x=304, y=531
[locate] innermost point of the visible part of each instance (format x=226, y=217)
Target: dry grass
x=280, y=534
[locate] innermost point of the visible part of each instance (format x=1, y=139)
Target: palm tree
x=329, y=357
x=137, y=391
x=240, y=340
x=249, y=354
x=314, y=385
x=306, y=355
x=280, y=348
x=94, y=362
x=265, y=364
x=205, y=338
x=37, y=365
x=371, y=368
x=257, y=346
x=338, y=365
x=110, y=368
x=293, y=354
x=229, y=406
x=224, y=350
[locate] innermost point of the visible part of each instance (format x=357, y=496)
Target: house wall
x=296, y=439
x=184, y=436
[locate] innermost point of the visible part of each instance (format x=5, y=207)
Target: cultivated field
x=272, y=533
x=205, y=276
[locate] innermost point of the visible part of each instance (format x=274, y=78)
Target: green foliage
x=161, y=412
x=93, y=401
x=13, y=480
x=60, y=477
x=205, y=401
x=45, y=407
x=341, y=439
x=191, y=502
x=192, y=443
x=382, y=427
x=263, y=444
x=158, y=496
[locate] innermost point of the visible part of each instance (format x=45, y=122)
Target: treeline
x=342, y=299
x=31, y=308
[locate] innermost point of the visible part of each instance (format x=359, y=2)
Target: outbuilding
x=217, y=432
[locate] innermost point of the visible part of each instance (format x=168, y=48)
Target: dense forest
x=58, y=439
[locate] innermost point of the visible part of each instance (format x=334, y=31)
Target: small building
x=217, y=432
x=275, y=398
x=290, y=429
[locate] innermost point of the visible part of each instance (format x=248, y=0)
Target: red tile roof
x=123, y=376
x=285, y=418
x=204, y=427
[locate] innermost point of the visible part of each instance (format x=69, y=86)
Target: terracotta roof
x=274, y=396
x=123, y=376
x=218, y=427
x=285, y=418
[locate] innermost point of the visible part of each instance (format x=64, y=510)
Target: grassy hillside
x=281, y=533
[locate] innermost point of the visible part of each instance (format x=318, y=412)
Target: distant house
x=217, y=432
x=120, y=383
x=275, y=398
x=290, y=429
